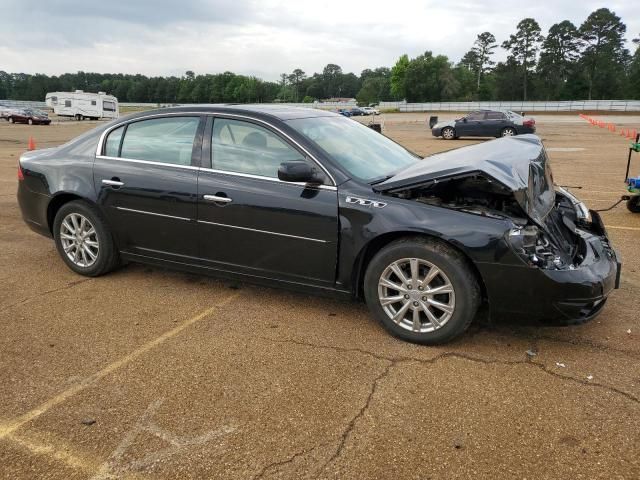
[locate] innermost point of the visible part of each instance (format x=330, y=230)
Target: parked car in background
x=485, y=123
x=28, y=115
x=370, y=111
x=308, y=199
x=344, y=112
x=356, y=112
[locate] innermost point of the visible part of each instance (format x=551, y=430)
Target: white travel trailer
x=82, y=105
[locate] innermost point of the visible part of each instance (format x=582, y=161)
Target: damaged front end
x=549, y=229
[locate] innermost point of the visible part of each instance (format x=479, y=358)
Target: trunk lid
x=518, y=163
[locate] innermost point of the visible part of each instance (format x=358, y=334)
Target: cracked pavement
x=149, y=373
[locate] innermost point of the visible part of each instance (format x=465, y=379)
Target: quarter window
x=112, y=145
x=166, y=140
x=244, y=147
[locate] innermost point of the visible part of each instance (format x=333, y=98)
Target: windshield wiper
x=380, y=179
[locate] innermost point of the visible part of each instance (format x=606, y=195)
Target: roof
x=280, y=112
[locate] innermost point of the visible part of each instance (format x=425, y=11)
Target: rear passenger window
x=166, y=140
x=112, y=145
x=245, y=147
x=495, y=116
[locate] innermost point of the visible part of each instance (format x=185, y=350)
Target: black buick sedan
x=312, y=200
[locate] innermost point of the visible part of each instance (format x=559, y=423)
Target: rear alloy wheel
x=633, y=204
x=448, y=133
x=509, y=132
x=422, y=290
x=83, y=240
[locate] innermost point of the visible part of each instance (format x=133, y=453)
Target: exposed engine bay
x=555, y=243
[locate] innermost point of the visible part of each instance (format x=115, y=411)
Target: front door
x=471, y=125
x=252, y=223
x=147, y=185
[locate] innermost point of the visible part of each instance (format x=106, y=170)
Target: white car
x=370, y=110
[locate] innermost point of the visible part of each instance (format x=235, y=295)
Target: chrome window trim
x=263, y=231
x=270, y=179
x=152, y=213
x=213, y=114
x=223, y=172
x=147, y=162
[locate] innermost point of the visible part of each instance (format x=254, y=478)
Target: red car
x=32, y=117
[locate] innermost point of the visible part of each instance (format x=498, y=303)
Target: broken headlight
x=533, y=247
x=582, y=211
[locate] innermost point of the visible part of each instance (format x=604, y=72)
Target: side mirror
x=298, y=171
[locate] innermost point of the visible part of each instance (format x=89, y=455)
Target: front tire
x=83, y=239
x=30, y=121
x=633, y=204
x=422, y=290
x=11, y=120
x=448, y=133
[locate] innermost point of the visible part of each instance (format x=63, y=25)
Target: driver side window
x=244, y=147
x=476, y=116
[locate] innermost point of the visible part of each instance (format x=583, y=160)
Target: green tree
x=604, y=56
x=523, y=46
x=398, y=74
x=560, y=51
x=482, y=50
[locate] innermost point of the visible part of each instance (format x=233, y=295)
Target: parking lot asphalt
x=150, y=373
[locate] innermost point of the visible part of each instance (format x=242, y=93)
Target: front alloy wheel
x=448, y=133
x=416, y=295
x=422, y=290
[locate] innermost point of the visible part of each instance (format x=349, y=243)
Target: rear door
x=146, y=179
x=495, y=123
x=252, y=223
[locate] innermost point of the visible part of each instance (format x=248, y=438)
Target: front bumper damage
x=567, y=296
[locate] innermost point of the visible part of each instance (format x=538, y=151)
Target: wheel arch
x=376, y=244
x=58, y=201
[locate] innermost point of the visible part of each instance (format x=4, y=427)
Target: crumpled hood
x=519, y=163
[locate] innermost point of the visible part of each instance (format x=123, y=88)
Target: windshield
x=362, y=152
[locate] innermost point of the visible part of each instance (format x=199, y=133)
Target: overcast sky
x=262, y=37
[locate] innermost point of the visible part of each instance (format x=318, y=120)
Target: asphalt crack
x=352, y=423
x=486, y=361
x=47, y=292
x=276, y=465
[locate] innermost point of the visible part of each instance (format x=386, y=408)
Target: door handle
x=112, y=183
x=216, y=198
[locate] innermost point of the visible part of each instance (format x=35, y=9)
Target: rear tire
x=508, y=132
x=11, y=120
x=30, y=121
x=411, y=312
x=448, y=133
x=83, y=239
x=633, y=204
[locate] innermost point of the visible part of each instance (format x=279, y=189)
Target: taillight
x=529, y=122
x=20, y=174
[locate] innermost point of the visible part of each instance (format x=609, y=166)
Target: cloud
x=262, y=38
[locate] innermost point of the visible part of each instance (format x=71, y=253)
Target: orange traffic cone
x=32, y=144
